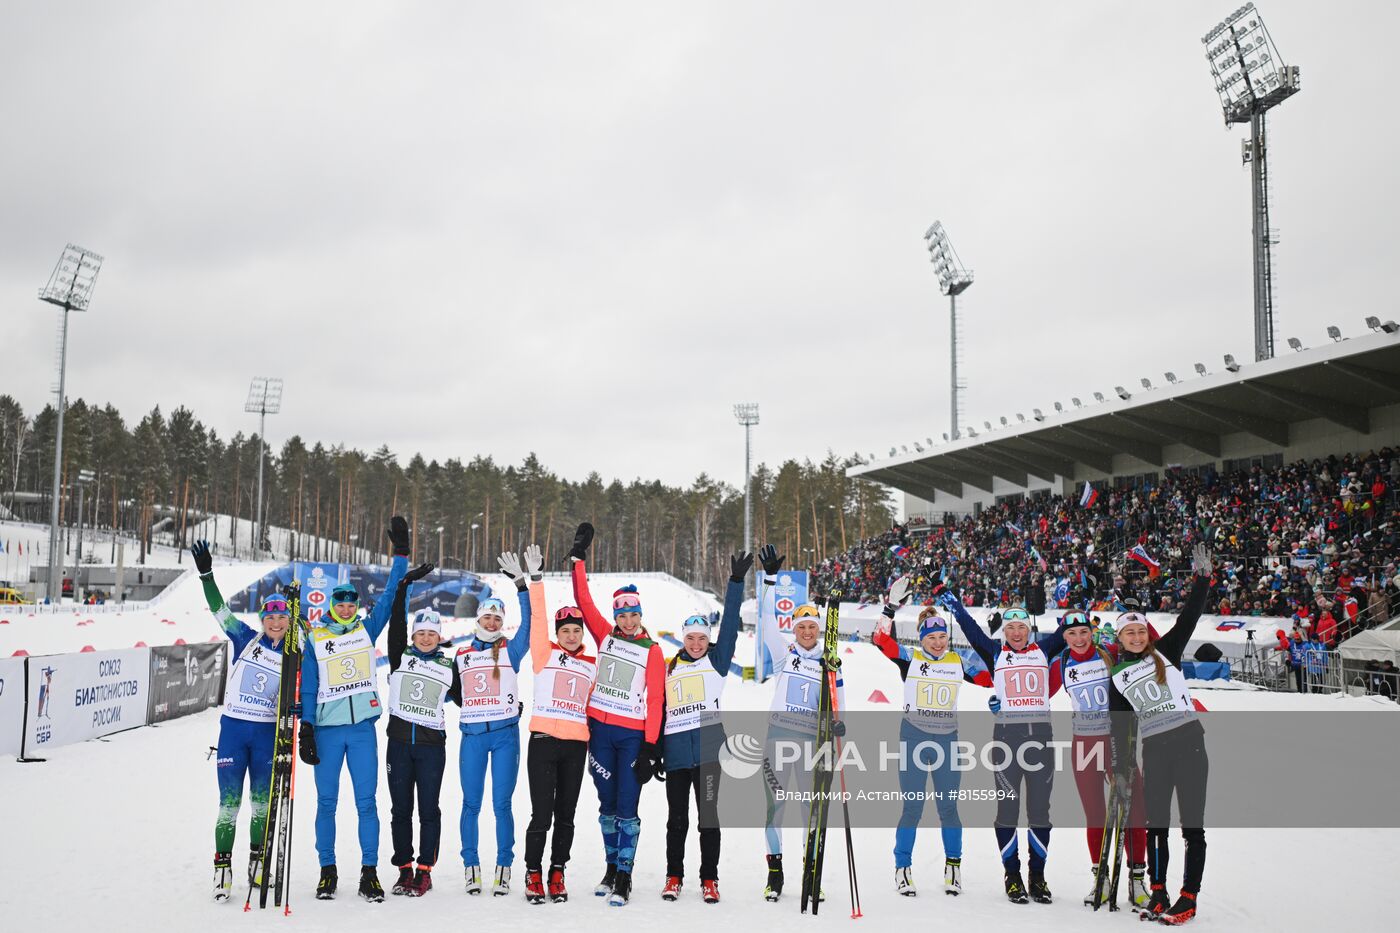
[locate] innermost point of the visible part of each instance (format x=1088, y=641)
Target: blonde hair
x=496, y=658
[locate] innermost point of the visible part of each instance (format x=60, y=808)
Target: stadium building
x=1343, y=397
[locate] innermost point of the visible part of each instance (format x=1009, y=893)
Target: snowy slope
x=129, y=820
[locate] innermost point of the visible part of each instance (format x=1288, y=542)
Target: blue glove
x=994, y=703
x=948, y=601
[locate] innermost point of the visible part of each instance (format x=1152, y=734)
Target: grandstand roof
x=1340, y=382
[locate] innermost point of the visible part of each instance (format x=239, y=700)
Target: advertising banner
x=75, y=697
x=186, y=679
x=11, y=705
x=788, y=593
x=450, y=592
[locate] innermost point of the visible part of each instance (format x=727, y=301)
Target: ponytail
x=1157, y=662
x=496, y=659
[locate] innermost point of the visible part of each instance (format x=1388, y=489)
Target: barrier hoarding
x=75, y=697
x=186, y=679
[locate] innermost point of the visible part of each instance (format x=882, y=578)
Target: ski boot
x=622, y=889
x=605, y=886
x=1092, y=899
x=422, y=881
x=1040, y=891
x=709, y=890
x=534, y=886
x=952, y=876
x=255, y=866
x=1183, y=911
x=1157, y=904
x=502, y=886
x=370, y=888
x=903, y=884
x=557, y=892
x=1137, y=887
x=223, y=876
x=325, y=888
x=405, y=882
x=672, y=889
x=473, y=874
x=1015, y=887
x=775, y=879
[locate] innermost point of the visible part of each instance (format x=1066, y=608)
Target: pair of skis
x=827, y=764
x=282, y=791
x=1115, y=833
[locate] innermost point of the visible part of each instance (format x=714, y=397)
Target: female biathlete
x=1021, y=677
x=340, y=702
x=694, y=735
x=1082, y=669
x=564, y=674
x=1147, y=682
x=932, y=674
x=250, y=718
x=797, y=677
x=421, y=680
x=625, y=711
x=490, y=723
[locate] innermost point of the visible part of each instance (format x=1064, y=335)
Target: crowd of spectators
x=1316, y=540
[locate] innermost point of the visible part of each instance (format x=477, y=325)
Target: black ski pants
x=703, y=782
x=415, y=768
x=555, y=770
x=1175, y=762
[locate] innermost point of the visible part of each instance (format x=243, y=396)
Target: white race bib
x=345, y=663
x=490, y=691
x=251, y=693
x=1159, y=707
x=931, y=691
x=1022, y=681
x=418, y=690
x=1086, y=682
x=621, y=684
x=692, y=695
x=798, y=689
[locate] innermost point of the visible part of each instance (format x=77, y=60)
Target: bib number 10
x=1024, y=684
x=934, y=695
x=1147, y=694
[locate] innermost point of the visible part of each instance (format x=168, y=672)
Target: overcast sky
x=587, y=229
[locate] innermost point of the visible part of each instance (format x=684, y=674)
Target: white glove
x=1201, y=563
x=534, y=562
x=510, y=565
x=899, y=592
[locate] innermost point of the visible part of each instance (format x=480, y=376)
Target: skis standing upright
x=1115, y=831
x=278, y=827
x=822, y=773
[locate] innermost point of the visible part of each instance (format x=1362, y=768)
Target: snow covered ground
x=124, y=826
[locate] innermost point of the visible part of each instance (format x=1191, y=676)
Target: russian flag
x=1089, y=496
x=899, y=552
x=1139, y=554
x=1015, y=527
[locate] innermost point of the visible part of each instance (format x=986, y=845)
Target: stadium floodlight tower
x=953, y=280
x=264, y=398
x=747, y=413
x=70, y=288
x=1250, y=78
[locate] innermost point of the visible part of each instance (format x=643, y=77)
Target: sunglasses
x=1015, y=615
x=275, y=607
x=805, y=612
x=345, y=594
x=569, y=612
x=1076, y=618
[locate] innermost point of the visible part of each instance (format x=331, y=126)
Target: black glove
x=582, y=539
x=418, y=573
x=838, y=728
x=398, y=535
x=292, y=591
x=768, y=557
x=203, y=560
x=306, y=745
x=649, y=763
x=739, y=566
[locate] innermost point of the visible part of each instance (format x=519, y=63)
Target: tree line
x=169, y=471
